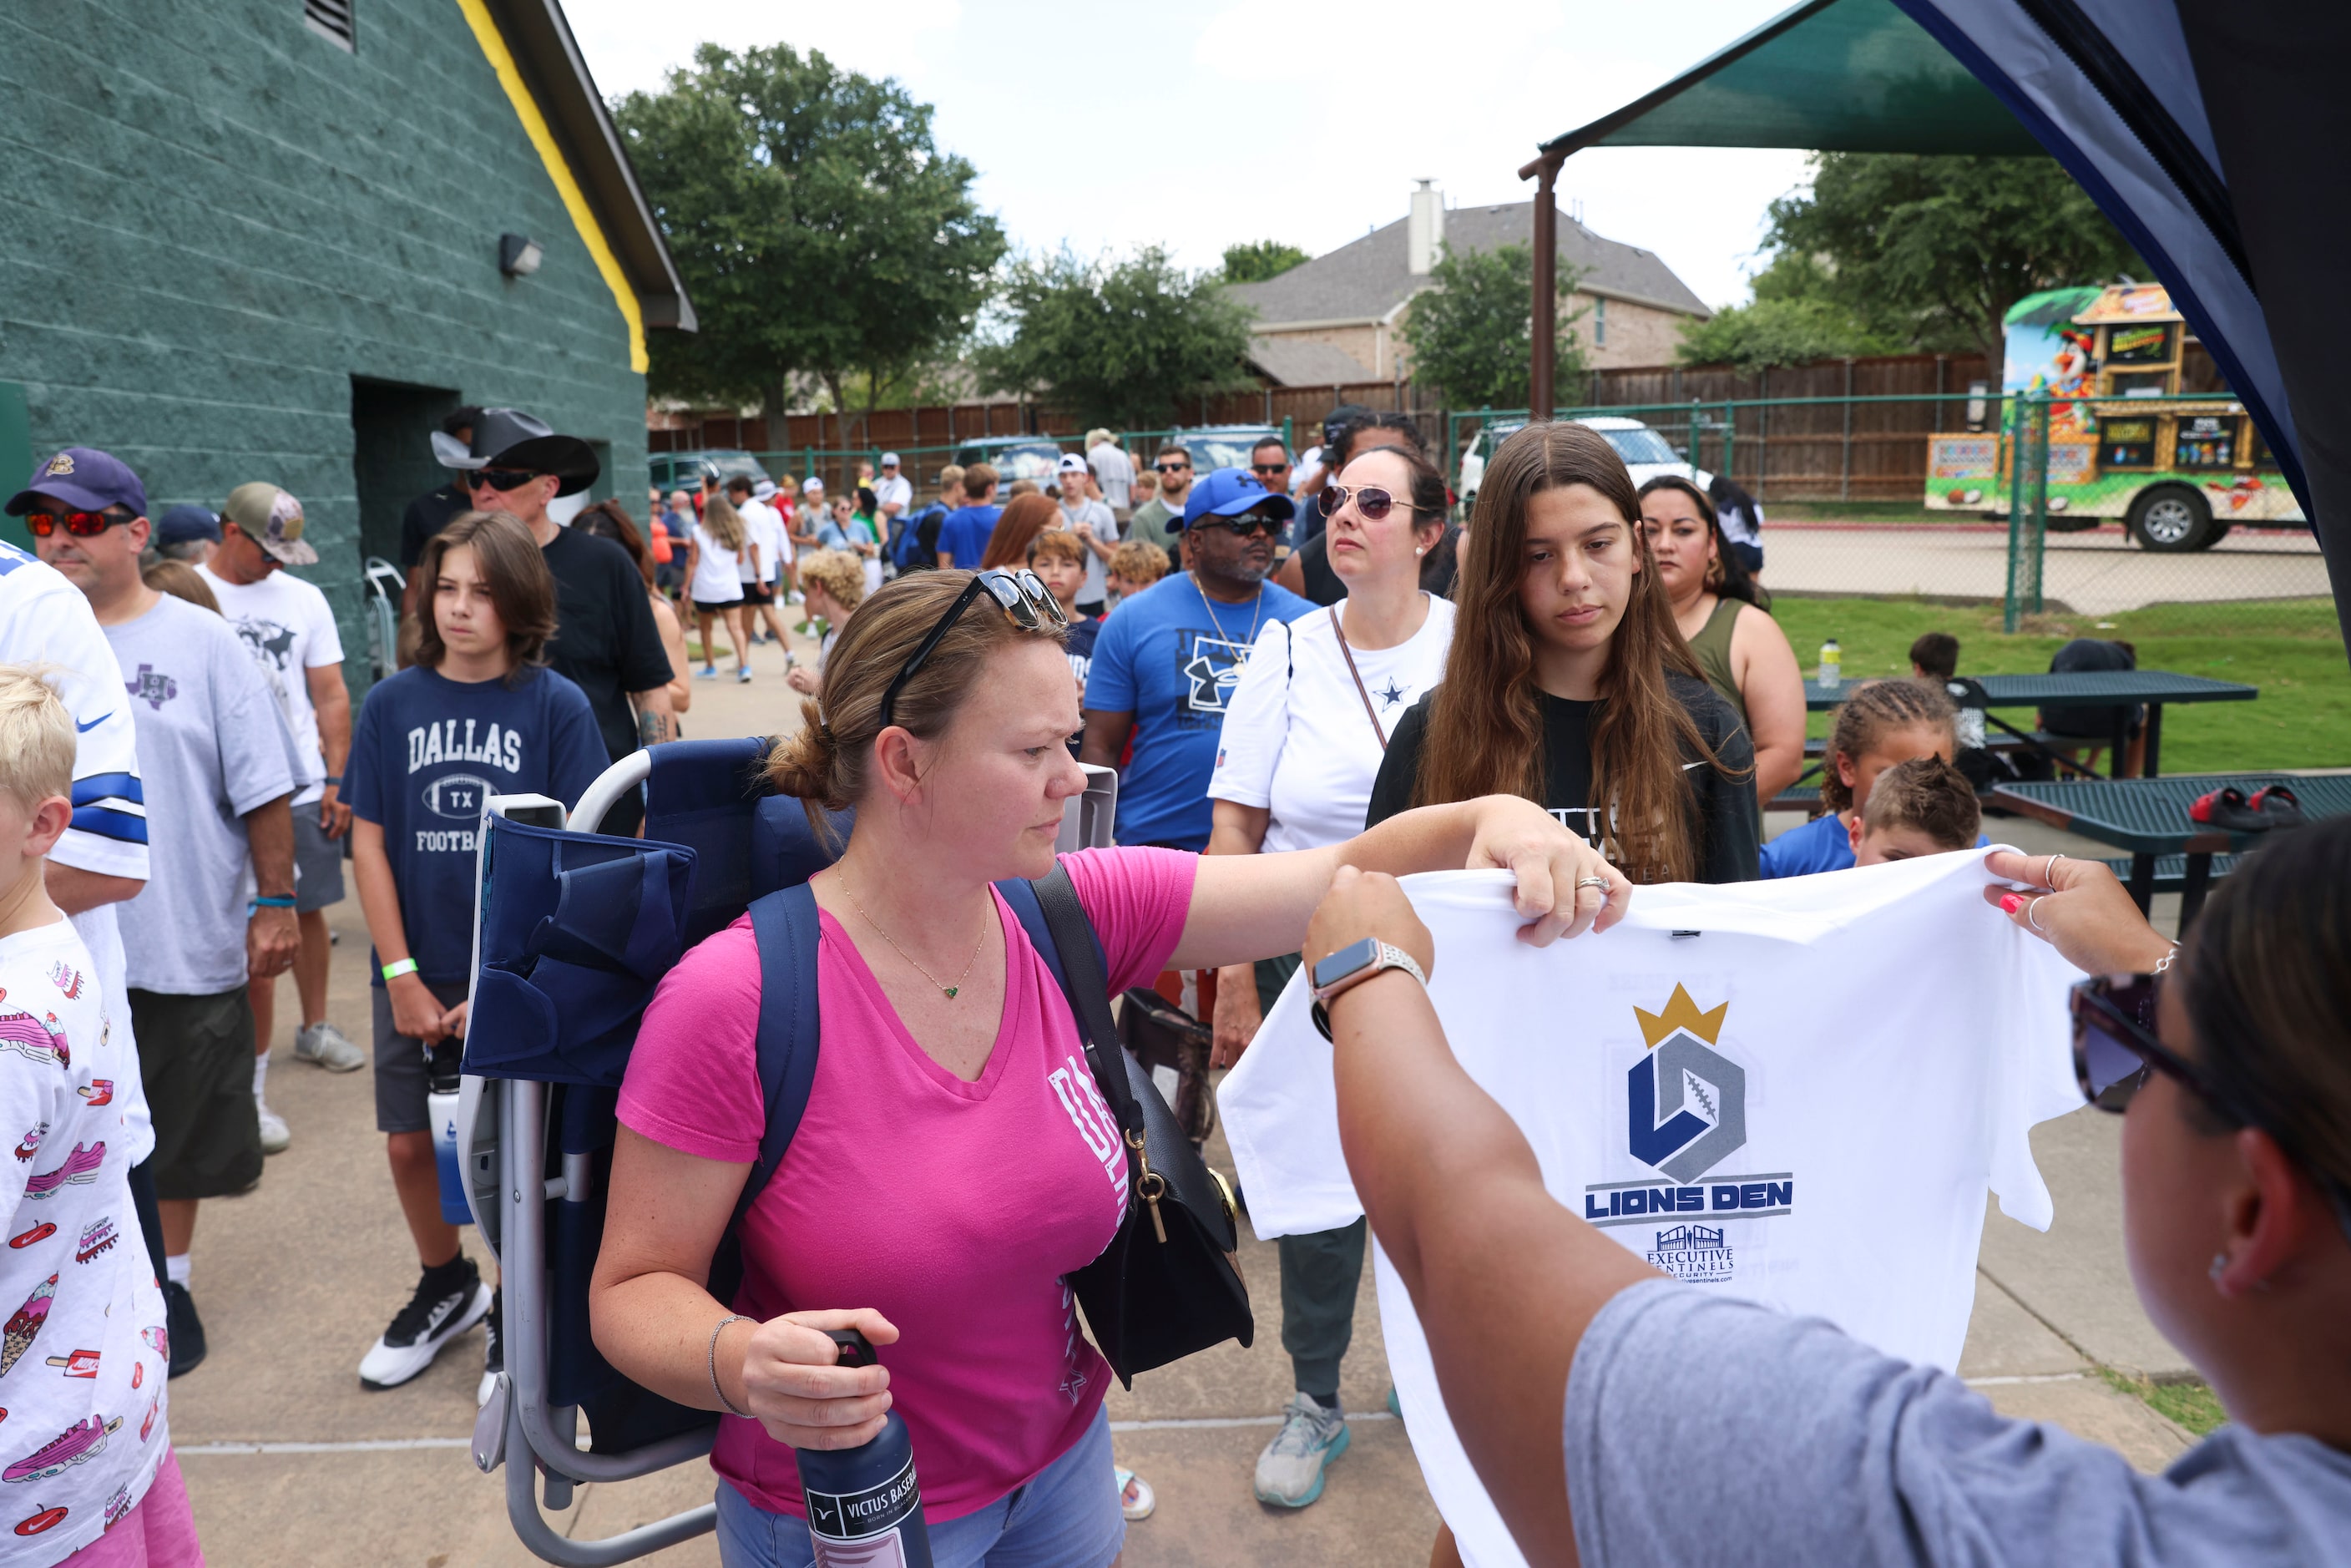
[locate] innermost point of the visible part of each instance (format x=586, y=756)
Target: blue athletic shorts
x=1067, y=1518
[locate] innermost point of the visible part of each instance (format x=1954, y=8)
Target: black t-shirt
x=426, y=515
x=1440, y=568
x=1724, y=821
x=605, y=639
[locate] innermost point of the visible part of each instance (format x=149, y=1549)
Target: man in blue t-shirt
x=963, y=537
x=1166, y=664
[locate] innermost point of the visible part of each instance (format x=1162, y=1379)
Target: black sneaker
x=448, y=1300
x=494, y=1347
x=183, y=1330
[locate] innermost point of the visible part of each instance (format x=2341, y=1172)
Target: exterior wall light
x=518, y=255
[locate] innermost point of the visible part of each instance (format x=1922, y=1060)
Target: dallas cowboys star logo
x=1391, y=693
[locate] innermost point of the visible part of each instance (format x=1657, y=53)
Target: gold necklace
x=933, y=979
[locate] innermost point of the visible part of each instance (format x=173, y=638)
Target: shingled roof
x=1365, y=279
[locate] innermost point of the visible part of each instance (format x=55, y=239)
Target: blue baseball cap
x=184, y=523
x=82, y=477
x=1229, y=492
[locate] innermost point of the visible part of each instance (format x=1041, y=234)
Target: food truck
x=2141, y=426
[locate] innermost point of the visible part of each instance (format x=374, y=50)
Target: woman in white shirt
x=714, y=581
x=1302, y=744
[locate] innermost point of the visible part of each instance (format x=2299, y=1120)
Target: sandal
x=1136, y=1498
x=2279, y=807
x=2230, y=810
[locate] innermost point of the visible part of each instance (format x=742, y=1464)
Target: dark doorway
x=391, y=455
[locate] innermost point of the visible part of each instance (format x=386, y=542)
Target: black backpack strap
x=785, y=924
x=1064, y=937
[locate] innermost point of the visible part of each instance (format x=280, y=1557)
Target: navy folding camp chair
x=572, y=932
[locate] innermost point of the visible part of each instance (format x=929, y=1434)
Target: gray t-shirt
x=1112, y=472
x=1704, y=1430
x=212, y=744
x=1097, y=516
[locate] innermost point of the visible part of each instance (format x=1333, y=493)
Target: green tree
x=1473, y=334
x=816, y=227
x=1260, y=259
x=1795, y=317
x=1117, y=343
x=1929, y=253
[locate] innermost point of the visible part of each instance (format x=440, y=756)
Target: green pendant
x=952, y=990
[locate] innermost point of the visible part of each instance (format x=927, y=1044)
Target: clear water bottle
x=1832, y=664
x=864, y=1508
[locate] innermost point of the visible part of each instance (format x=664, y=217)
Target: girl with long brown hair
x=1024, y=519
x=1567, y=682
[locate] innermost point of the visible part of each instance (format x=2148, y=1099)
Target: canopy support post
x=1540, y=402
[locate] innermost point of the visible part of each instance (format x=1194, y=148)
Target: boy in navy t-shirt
x=963, y=536
x=478, y=715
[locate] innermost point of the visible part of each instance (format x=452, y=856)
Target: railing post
x=2036, y=485
x=2013, y=425
x=1844, y=465
x=1729, y=439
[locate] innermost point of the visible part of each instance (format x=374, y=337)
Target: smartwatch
x=1353, y=965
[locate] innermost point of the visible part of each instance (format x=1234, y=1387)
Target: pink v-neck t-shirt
x=952, y=1208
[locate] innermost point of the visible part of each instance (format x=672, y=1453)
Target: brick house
x=1334, y=318
x=268, y=239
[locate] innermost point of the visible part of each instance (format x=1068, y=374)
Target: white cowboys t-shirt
x=1792, y=1091
x=1297, y=734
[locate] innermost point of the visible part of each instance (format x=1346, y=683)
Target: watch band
x=1386, y=956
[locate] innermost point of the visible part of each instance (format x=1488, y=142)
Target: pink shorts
x=160, y=1532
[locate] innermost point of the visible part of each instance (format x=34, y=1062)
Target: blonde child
x=834, y=581
x=1134, y=566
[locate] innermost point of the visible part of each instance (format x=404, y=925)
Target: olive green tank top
x=1712, y=646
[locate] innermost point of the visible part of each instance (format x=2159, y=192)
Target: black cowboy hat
x=510, y=438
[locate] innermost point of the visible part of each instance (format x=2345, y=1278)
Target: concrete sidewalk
x=292, y=1463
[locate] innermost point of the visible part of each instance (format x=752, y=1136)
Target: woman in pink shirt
x=950, y=1168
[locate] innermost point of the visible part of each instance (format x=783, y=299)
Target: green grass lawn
x=2191, y=1404
x=2292, y=650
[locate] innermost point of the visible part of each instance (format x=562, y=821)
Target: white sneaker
x=274, y=1134
x=1289, y=1471
x=329, y=1047
x=431, y=1319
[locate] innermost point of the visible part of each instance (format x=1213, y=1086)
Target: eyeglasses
x=1372, y=502
x=1023, y=598
x=500, y=478
x=1243, y=526
x=80, y=525
x=2115, y=1046
x=1172, y=467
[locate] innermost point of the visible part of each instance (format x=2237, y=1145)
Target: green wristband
x=394, y=970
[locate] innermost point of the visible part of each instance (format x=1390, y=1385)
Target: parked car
x=1215, y=446
x=1645, y=453
x=1033, y=457
x=686, y=470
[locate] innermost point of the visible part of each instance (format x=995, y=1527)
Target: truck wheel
x=2171, y=518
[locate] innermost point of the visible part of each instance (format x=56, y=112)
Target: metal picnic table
x=2148, y=817
x=2119, y=689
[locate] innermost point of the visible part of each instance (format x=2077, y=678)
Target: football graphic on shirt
x=1687, y=1103
x=457, y=796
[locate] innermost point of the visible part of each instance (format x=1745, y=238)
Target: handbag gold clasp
x=1149, y=1185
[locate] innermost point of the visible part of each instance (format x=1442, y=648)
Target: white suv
x=1645, y=453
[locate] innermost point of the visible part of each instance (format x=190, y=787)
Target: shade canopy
x=2148, y=106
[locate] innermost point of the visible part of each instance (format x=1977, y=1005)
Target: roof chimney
x=1426, y=230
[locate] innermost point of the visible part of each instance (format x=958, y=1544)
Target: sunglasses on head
x=1371, y=501
x=1243, y=526
x=500, y=478
x=80, y=525
x=1021, y=595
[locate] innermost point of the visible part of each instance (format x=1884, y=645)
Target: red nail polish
x=2010, y=903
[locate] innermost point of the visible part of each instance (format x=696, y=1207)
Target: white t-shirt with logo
x=1297, y=737
x=1795, y=1092
x=287, y=626
x=83, y=1351
x=45, y=619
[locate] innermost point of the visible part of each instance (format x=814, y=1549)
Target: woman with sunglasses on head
x=951, y=1166
x=1567, y=684
x=1619, y=1417
x=1302, y=741
x=1740, y=648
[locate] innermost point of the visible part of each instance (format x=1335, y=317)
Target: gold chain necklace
x=933, y=979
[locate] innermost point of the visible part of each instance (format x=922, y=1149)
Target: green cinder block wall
x=215, y=220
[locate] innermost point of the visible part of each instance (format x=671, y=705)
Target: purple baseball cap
x=86, y=477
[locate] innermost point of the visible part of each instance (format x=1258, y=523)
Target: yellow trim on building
x=583, y=216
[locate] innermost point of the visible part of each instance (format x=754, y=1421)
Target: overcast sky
x=1108, y=126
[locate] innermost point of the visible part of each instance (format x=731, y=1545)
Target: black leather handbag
x=1166, y=1285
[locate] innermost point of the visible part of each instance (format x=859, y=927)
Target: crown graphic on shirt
x=1681, y=1013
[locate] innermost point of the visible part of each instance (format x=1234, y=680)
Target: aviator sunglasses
x=1021, y=595
x=80, y=525
x=1370, y=500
